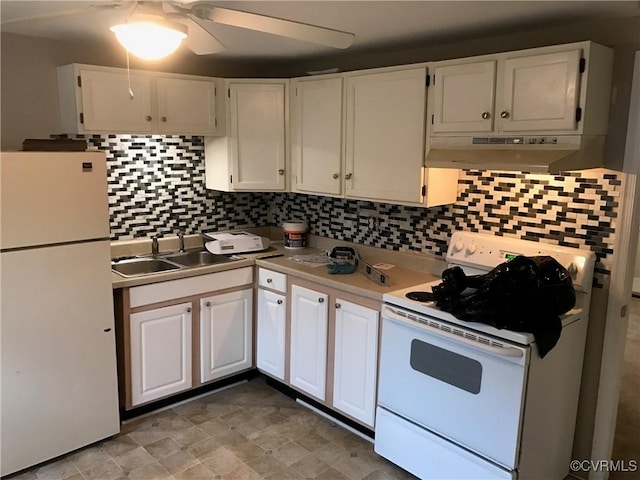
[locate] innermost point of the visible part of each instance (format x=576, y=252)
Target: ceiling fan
x=194, y=23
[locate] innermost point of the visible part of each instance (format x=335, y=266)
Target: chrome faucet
x=154, y=245
x=181, y=241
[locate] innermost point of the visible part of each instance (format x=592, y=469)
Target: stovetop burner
x=419, y=296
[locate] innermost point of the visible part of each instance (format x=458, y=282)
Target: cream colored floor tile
x=290, y=453
x=62, y=469
x=310, y=466
x=178, y=461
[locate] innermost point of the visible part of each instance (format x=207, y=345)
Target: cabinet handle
x=336, y=175
x=321, y=300
x=189, y=310
x=486, y=115
x=279, y=302
x=504, y=114
x=281, y=172
x=163, y=119
x=338, y=305
x=269, y=280
x=347, y=176
x=208, y=304
x=148, y=118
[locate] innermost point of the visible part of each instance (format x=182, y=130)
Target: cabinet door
x=317, y=135
x=186, y=106
x=271, y=334
x=385, y=135
x=356, y=357
x=160, y=352
x=226, y=334
x=257, y=136
x=107, y=105
x=464, y=97
x=540, y=92
x=308, y=357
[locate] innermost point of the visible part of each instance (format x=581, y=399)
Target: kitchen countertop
x=419, y=268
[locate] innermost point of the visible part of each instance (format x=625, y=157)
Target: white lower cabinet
x=160, y=352
x=270, y=338
x=226, y=334
x=355, y=360
x=309, y=326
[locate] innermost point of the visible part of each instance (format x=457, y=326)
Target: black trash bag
x=526, y=294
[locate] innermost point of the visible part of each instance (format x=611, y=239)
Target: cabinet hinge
x=229, y=92
x=432, y=119
x=230, y=178
x=434, y=79
x=578, y=114
x=424, y=190
x=81, y=117
x=428, y=81
x=583, y=65
x=215, y=91
x=215, y=122
x=79, y=81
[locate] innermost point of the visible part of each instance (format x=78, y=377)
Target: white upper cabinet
x=316, y=135
x=252, y=157
x=109, y=100
x=562, y=89
x=385, y=133
x=540, y=92
x=464, y=97
x=186, y=106
x=107, y=105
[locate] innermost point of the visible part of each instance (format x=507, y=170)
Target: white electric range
x=465, y=400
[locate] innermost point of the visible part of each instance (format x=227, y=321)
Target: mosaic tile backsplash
x=156, y=186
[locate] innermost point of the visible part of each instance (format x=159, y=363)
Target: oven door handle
x=511, y=352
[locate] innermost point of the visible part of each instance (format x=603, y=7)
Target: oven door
x=450, y=381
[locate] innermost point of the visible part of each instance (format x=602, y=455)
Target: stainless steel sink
x=198, y=258
x=134, y=267
x=147, y=265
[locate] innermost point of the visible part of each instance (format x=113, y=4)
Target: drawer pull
x=338, y=305
x=269, y=280
x=321, y=300
x=486, y=115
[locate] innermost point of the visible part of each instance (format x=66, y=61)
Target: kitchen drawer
x=185, y=287
x=273, y=280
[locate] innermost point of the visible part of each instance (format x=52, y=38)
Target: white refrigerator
x=59, y=386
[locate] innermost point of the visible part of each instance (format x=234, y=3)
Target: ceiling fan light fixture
x=150, y=38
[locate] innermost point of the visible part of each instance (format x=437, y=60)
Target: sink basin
x=198, y=258
x=142, y=266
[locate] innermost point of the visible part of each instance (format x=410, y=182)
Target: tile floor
x=249, y=431
x=626, y=445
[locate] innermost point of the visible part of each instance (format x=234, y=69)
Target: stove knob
x=471, y=249
x=458, y=246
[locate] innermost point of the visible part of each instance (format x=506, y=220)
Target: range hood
x=535, y=154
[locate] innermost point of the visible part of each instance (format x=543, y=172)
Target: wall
x=28, y=79
x=157, y=186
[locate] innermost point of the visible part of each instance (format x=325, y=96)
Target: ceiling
x=374, y=23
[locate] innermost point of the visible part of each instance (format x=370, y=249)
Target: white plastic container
x=295, y=234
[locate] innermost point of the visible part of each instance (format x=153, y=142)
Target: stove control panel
x=482, y=251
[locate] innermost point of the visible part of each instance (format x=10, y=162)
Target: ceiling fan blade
x=199, y=40
x=284, y=28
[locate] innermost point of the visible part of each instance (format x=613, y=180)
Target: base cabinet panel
x=270, y=338
x=309, y=325
x=226, y=334
x=355, y=360
x=160, y=352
